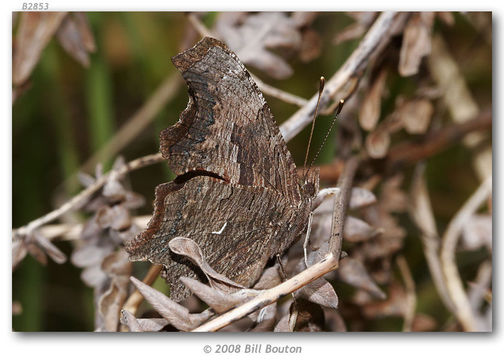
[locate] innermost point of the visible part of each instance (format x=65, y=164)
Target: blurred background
x=68, y=110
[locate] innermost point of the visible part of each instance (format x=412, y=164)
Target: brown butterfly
x=237, y=193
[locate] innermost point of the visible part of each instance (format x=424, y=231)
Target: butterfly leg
x=307, y=238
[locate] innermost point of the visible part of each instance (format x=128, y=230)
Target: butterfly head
x=310, y=186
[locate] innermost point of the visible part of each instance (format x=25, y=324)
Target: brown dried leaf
x=176, y=314
x=115, y=217
x=93, y=276
x=378, y=141
x=51, y=250
x=369, y=112
x=36, y=252
x=423, y=322
x=85, y=179
x=89, y=255
x=151, y=325
x=363, y=19
x=477, y=232
x=19, y=252
x=283, y=324
x=416, y=115
x=218, y=300
x=360, y=198
x=118, y=269
x=76, y=38
x=357, y=230
x=269, y=278
x=334, y=321
x=311, y=45
x=251, y=38
x=111, y=302
x=319, y=292
x=129, y=320
x=310, y=316
x=392, y=197
x=395, y=305
x=353, y=272
x=266, y=318
x=190, y=249
x=446, y=17
x=117, y=264
x=416, y=42
x=377, y=144
x=34, y=32
x=17, y=308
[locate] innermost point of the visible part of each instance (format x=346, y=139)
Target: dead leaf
x=176, y=314
x=353, y=272
x=311, y=45
x=252, y=37
x=189, y=248
x=118, y=268
x=446, y=17
x=360, y=198
x=477, y=232
x=34, y=32
x=357, y=230
x=266, y=318
x=369, y=112
x=319, y=292
x=378, y=141
x=416, y=115
x=363, y=21
x=395, y=305
x=115, y=217
x=215, y=298
x=269, y=278
x=334, y=321
x=19, y=252
x=416, y=42
x=309, y=318
x=76, y=38
x=423, y=322
x=129, y=320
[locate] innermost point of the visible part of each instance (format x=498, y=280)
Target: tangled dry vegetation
x=378, y=169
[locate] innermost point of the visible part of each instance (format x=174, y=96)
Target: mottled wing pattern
x=250, y=220
x=227, y=127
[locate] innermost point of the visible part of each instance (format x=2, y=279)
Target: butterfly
x=237, y=193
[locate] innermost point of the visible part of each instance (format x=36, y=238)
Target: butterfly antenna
x=338, y=110
x=321, y=89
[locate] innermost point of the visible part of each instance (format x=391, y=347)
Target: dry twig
x=85, y=194
x=410, y=293
x=464, y=312
x=421, y=213
x=377, y=35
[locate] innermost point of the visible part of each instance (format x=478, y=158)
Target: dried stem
x=329, y=263
x=136, y=298
x=464, y=312
x=340, y=205
x=377, y=35
x=412, y=152
x=423, y=217
x=85, y=194
x=279, y=94
x=67, y=231
x=410, y=293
